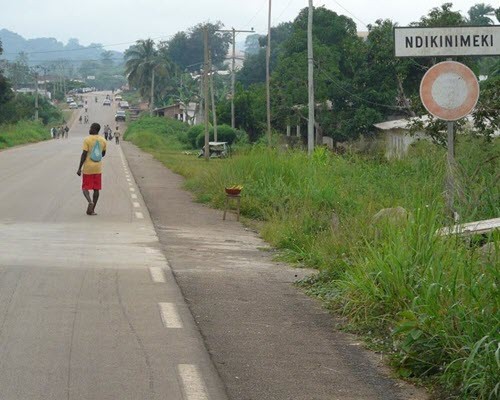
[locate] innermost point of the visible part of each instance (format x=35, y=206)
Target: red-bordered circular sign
x=449, y=90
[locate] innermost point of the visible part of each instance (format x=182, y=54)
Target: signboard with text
x=447, y=41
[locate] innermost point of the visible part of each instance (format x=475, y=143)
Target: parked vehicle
x=120, y=115
x=118, y=97
x=106, y=102
x=69, y=100
x=124, y=104
x=73, y=105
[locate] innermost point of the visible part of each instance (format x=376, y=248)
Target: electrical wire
x=350, y=13
x=332, y=80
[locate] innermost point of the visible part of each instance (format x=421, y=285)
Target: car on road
x=73, y=105
x=69, y=100
x=118, y=97
x=124, y=104
x=120, y=116
x=106, y=102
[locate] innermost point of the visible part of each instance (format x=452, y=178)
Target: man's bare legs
x=92, y=202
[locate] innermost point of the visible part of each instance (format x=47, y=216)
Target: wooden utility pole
x=36, y=96
x=205, y=92
x=152, y=97
x=310, y=81
x=212, y=92
x=268, y=90
x=233, y=68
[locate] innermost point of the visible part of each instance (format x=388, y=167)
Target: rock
x=395, y=216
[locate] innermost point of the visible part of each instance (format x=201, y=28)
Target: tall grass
x=22, y=132
x=432, y=302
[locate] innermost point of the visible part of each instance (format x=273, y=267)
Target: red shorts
x=91, y=182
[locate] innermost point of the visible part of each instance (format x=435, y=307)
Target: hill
x=50, y=49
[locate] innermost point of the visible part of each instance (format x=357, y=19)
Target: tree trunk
x=152, y=101
x=403, y=97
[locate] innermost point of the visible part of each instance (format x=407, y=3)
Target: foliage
x=432, y=301
x=193, y=133
x=23, y=107
x=185, y=49
x=22, y=132
x=224, y=134
x=150, y=133
x=143, y=61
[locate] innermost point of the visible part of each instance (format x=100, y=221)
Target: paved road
x=88, y=305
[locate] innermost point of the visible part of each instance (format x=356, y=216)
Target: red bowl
x=233, y=192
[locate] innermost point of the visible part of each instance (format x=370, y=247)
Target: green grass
x=21, y=133
x=431, y=302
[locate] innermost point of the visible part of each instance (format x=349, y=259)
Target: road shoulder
x=267, y=339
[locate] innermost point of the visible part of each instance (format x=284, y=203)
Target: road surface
x=89, y=309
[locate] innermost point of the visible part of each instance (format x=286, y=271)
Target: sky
x=118, y=23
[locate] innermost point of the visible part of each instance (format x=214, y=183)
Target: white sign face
x=90, y=77
x=449, y=90
x=447, y=42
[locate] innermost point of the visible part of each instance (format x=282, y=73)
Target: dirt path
x=267, y=339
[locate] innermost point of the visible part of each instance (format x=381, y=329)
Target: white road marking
x=170, y=316
x=157, y=274
x=192, y=382
x=136, y=204
x=151, y=250
x=131, y=189
x=139, y=215
x=134, y=196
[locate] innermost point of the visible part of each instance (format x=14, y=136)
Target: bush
x=224, y=134
x=23, y=107
x=21, y=133
x=193, y=133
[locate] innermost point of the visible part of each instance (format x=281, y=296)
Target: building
x=179, y=111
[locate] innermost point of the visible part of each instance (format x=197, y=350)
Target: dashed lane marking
x=139, y=215
x=136, y=204
x=134, y=196
x=131, y=189
x=157, y=274
x=169, y=315
x=192, y=382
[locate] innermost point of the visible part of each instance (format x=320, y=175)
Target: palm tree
x=141, y=62
x=479, y=14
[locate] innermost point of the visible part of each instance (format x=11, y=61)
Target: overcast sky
x=122, y=21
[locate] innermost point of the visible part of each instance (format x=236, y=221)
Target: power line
x=350, y=13
x=332, y=80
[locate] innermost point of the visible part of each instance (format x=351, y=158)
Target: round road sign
x=449, y=90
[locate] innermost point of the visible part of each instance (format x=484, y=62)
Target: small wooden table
x=230, y=197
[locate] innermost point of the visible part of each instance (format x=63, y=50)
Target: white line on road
x=139, y=215
x=157, y=274
x=131, y=189
x=169, y=315
x=134, y=196
x=136, y=204
x=192, y=382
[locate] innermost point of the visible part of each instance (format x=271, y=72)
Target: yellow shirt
x=91, y=167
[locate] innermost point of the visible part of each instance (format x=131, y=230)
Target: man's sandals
x=90, y=209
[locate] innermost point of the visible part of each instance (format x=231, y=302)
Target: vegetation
x=21, y=133
x=430, y=301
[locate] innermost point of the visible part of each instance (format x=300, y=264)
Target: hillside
x=50, y=49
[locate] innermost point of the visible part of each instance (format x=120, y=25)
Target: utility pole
x=36, y=96
x=310, y=80
x=205, y=91
x=233, y=68
x=214, y=112
x=268, y=90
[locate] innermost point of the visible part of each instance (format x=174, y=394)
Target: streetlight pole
x=205, y=91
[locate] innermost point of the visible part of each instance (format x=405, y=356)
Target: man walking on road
x=94, y=148
x=117, y=136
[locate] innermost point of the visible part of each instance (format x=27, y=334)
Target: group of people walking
x=109, y=134
x=85, y=119
x=59, y=132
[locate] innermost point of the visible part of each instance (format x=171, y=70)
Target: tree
x=186, y=48
x=143, y=62
x=107, y=59
x=480, y=14
x=442, y=16
x=5, y=92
